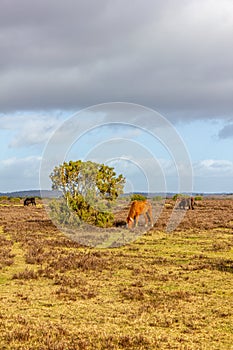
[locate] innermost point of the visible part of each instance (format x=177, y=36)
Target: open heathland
x=163, y=291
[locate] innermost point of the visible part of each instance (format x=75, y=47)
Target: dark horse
x=186, y=202
x=30, y=200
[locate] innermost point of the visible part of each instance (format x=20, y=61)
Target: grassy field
x=163, y=291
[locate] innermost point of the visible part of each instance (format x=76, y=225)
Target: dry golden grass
x=164, y=291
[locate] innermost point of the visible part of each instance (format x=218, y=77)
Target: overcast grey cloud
x=226, y=132
x=174, y=56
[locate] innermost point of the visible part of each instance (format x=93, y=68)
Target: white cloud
x=213, y=168
x=19, y=173
x=208, y=175
x=29, y=128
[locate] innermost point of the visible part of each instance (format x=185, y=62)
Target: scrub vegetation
x=163, y=291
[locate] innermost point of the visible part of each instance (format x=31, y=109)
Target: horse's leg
x=136, y=220
x=150, y=216
x=149, y=219
x=146, y=219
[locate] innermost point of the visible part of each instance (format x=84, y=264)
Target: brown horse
x=137, y=208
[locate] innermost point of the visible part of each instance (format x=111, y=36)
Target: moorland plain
x=163, y=291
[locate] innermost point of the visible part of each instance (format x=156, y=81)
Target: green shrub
x=198, y=198
x=157, y=198
x=14, y=200
x=138, y=197
x=61, y=214
x=3, y=198
x=97, y=215
x=176, y=196
x=104, y=219
x=180, y=195
x=78, y=211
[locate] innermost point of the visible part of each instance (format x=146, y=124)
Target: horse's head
x=130, y=222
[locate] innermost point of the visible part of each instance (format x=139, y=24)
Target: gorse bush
x=77, y=211
x=104, y=219
x=138, y=197
x=88, y=189
x=176, y=196
x=14, y=200
x=61, y=213
x=198, y=198
x=91, y=180
x=157, y=198
x=180, y=195
x=3, y=198
x=98, y=215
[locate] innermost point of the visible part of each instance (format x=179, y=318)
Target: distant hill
x=171, y=194
x=32, y=193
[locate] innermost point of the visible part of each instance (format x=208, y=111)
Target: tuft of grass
x=6, y=256
x=25, y=275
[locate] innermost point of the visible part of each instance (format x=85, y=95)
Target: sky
x=167, y=64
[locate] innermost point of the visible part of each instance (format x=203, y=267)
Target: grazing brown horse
x=137, y=208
